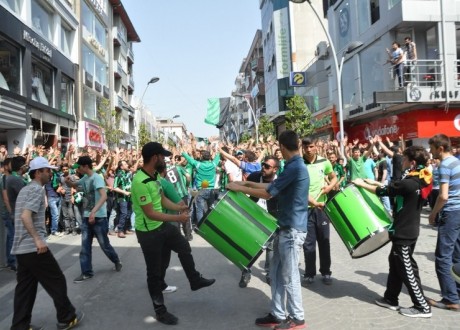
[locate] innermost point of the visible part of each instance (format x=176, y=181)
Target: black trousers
x=156, y=246
x=317, y=231
x=404, y=269
x=36, y=268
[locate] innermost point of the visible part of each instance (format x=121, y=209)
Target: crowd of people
x=158, y=191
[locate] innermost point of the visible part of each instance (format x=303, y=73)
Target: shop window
x=14, y=5
x=9, y=66
x=42, y=83
x=42, y=20
x=89, y=104
x=66, y=95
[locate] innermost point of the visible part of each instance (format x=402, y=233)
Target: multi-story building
x=172, y=132
x=373, y=103
x=38, y=74
x=106, y=69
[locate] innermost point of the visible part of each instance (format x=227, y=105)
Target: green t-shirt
x=317, y=171
x=170, y=193
x=122, y=181
x=205, y=170
x=176, y=176
x=356, y=168
x=340, y=172
x=145, y=190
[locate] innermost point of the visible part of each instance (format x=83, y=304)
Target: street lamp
x=151, y=81
x=338, y=70
x=175, y=116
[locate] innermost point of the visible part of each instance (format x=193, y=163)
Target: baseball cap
x=239, y=152
x=83, y=160
x=40, y=162
x=154, y=148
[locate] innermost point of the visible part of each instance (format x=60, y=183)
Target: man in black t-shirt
x=270, y=166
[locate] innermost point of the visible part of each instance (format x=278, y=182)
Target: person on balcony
x=397, y=58
x=411, y=60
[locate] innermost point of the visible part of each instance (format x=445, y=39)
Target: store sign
x=412, y=124
x=90, y=135
x=298, y=79
x=283, y=47
x=324, y=120
x=430, y=94
x=39, y=45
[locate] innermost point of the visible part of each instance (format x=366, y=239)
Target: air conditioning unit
x=321, y=50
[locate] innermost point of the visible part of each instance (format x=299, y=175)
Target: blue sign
x=298, y=79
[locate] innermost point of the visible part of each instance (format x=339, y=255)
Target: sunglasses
x=267, y=166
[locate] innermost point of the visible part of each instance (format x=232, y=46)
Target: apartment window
x=88, y=60
x=101, y=71
x=375, y=11
x=14, y=5
x=42, y=20
x=10, y=67
x=66, y=95
x=92, y=27
x=392, y=3
x=99, y=32
x=42, y=81
x=89, y=104
x=66, y=40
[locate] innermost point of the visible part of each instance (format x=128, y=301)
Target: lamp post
x=338, y=70
x=151, y=81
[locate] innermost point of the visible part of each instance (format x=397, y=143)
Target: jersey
x=176, y=176
x=317, y=171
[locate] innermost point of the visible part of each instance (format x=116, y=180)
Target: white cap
x=40, y=162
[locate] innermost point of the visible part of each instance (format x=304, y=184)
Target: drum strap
x=249, y=217
x=345, y=219
x=229, y=241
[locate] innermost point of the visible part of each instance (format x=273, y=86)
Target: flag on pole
x=218, y=111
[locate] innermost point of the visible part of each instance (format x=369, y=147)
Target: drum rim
x=211, y=208
x=382, y=229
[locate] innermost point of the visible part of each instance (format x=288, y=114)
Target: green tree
x=245, y=137
x=298, y=117
x=143, y=135
x=266, y=127
x=109, y=123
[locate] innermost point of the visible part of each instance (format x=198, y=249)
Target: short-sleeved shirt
x=90, y=186
x=232, y=169
x=369, y=166
x=176, y=176
x=317, y=171
x=122, y=181
x=356, y=168
x=170, y=193
x=205, y=170
x=31, y=197
x=14, y=183
x=449, y=171
x=340, y=173
x=146, y=190
x=291, y=187
x=249, y=168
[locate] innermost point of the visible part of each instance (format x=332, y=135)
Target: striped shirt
x=449, y=171
x=31, y=197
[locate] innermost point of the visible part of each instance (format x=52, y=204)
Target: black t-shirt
x=396, y=173
x=272, y=203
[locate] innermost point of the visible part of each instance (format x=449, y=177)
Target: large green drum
x=360, y=220
x=238, y=228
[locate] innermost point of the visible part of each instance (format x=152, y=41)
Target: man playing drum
x=291, y=187
x=409, y=193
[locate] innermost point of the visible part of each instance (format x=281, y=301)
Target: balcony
x=257, y=65
x=117, y=101
x=130, y=84
x=130, y=55
x=116, y=40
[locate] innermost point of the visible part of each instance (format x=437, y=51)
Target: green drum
x=238, y=228
x=360, y=220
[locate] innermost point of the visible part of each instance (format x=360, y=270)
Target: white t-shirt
x=232, y=169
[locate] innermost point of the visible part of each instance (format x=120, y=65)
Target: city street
x=113, y=300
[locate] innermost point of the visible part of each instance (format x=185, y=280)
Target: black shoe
x=201, y=283
x=167, y=318
x=118, y=266
x=268, y=321
x=245, y=278
x=72, y=324
x=35, y=327
x=291, y=323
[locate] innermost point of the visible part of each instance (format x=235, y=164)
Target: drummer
x=409, y=193
x=291, y=187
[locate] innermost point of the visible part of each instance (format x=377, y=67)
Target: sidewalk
x=113, y=300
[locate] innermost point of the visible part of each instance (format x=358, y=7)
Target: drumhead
x=370, y=244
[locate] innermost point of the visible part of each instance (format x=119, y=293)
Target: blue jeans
x=203, y=201
x=448, y=253
x=9, y=225
x=284, y=273
x=54, y=203
x=123, y=216
x=88, y=231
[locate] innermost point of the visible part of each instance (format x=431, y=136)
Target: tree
x=109, y=123
x=266, y=127
x=143, y=136
x=298, y=118
x=245, y=137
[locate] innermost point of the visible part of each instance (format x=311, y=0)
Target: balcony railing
x=420, y=73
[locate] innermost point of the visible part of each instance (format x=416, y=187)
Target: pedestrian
x=404, y=231
x=291, y=188
x=94, y=222
x=7, y=216
x=322, y=180
x=156, y=235
x=448, y=206
x=36, y=263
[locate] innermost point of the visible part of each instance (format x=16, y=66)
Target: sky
x=196, y=48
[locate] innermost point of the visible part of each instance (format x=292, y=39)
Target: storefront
x=90, y=135
x=416, y=126
x=326, y=125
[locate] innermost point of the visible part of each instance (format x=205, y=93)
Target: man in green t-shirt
x=322, y=181
x=156, y=235
x=355, y=162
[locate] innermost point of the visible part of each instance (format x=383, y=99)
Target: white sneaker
x=170, y=289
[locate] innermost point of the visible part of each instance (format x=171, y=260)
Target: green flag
x=218, y=111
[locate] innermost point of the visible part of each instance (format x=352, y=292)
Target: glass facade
x=10, y=66
x=89, y=104
x=93, y=31
x=66, y=95
x=42, y=20
x=373, y=60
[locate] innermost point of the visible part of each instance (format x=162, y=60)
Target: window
x=344, y=24
x=375, y=11
x=66, y=95
x=42, y=20
x=88, y=60
x=392, y=3
x=372, y=61
x=92, y=28
x=93, y=65
x=14, y=5
x=89, y=104
x=363, y=16
x=66, y=40
x=10, y=66
x=42, y=81
x=101, y=72
x=99, y=32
